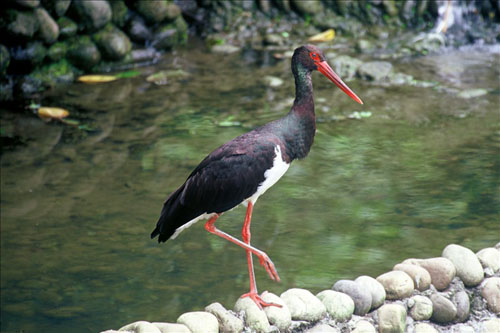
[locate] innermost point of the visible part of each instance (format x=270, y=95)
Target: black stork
x=241, y=170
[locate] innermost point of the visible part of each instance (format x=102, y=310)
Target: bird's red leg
x=253, y=294
x=263, y=257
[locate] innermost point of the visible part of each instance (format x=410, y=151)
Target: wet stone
x=339, y=305
x=489, y=259
x=361, y=296
x=468, y=267
x=199, y=322
x=425, y=328
x=364, y=326
x=461, y=300
x=420, y=307
x=444, y=311
x=441, y=270
x=255, y=318
x=172, y=328
x=421, y=278
x=279, y=317
x=303, y=304
x=227, y=321
x=140, y=327
x=322, y=328
x=376, y=289
x=397, y=284
x=392, y=318
x=491, y=292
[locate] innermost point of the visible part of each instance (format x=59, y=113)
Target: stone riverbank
x=456, y=292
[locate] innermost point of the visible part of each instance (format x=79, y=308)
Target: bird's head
x=312, y=58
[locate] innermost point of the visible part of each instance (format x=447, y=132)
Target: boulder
x=83, y=53
x=92, y=15
x=113, y=43
x=48, y=28
x=56, y=8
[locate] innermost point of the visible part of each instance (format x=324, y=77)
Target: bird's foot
x=269, y=266
x=259, y=301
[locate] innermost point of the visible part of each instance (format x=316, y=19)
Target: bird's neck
x=303, y=89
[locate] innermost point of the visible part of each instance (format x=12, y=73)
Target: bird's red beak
x=327, y=71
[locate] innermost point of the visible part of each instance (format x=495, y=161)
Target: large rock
x=277, y=316
x=361, y=296
x=199, y=322
x=420, y=307
x=172, y=328
x=467, y=264
x=420, y=276
x=67, y=27
x=48, y=28
x=339, y=305
x=57, y=7
x=119, y=12
x=83, y=53
x=490, y=259
x=228, y=322
x=255, y=317
x=138, y=30
x=442, y=270
x=307, y=7
x=364, y=326
x=303, y=305
x=345, y=66
x=397, y=284
x=443, y=310
x=391, y=318
x=113, y=43
x=491, y=292
x=19, y=25
x=153, y=11
x=375, y=70
x=376, y=289
x=92, y=15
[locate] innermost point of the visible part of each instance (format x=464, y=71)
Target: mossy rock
x=113, y=43
x=83, y=53
x=67, y=27
x=18, y=26
x=56, y=7
x=120, y=13
x=91, y=15
x=57, y=51
x=4, y=59
x=52, y=74
x=152, y=11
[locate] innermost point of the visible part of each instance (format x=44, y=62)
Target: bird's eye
x=314, y=56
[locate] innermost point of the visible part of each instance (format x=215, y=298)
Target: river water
x=421, y=171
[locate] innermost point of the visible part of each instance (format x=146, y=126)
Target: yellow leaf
x=96, y=78
x=325, y=36
x=47, y=113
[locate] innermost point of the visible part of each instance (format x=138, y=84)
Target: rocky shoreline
x=457, y=292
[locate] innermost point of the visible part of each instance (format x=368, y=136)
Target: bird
x=241, y=170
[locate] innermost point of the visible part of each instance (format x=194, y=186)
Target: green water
x=77, y=206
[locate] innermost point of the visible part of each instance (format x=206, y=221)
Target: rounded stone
x=92, y=15
x=322, y=328
x=491, y=325
x=152, y=11
x=277, y=316
x=461, y=300
x=199, y=322
x=376, y=289
x=491, y=292
x=489, y=258
x=339, y=305
x=391, y=318
x=141, y=326
x=420, y=307
x=67, y=27
x=49, y=30
x=256, y=318
x=227, y=321
x=425, y=328
x=113, y=43
x=84, y=54
x=441, y=270
x=420, y=276
x=467, y=265
x=303, y=304
x=443, y=310
x=397, y=284
x=172, y=328
x=361, y=296
x=364, y=326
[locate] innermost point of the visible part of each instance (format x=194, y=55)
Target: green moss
x=57, y=51
x=58, y=72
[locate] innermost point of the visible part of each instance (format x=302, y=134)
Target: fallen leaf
x=48, y=113
x=325, y=36
x=127, y=74
x=97, y=78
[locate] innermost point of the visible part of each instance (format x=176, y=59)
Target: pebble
x=364, y=326
x=141, y=327
x=491, y=325
x=322, y=328
x=256, y=318
x=172, y=328
x=339, y=305
x=472, y=93
x=279, y=317
x=420, y=307
x=461, y=299
x=491, y=292
x=361, y=296
x=303, y=304
x=199, y=322
x=489, y=258
x=376, y=289
x=225, y=49
x=420, y=276
x=441, y=270
x=444, y=311
x=391, y=318
x=397, y=284
x=468, y=267
x=425, y=328
x=227, y=321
